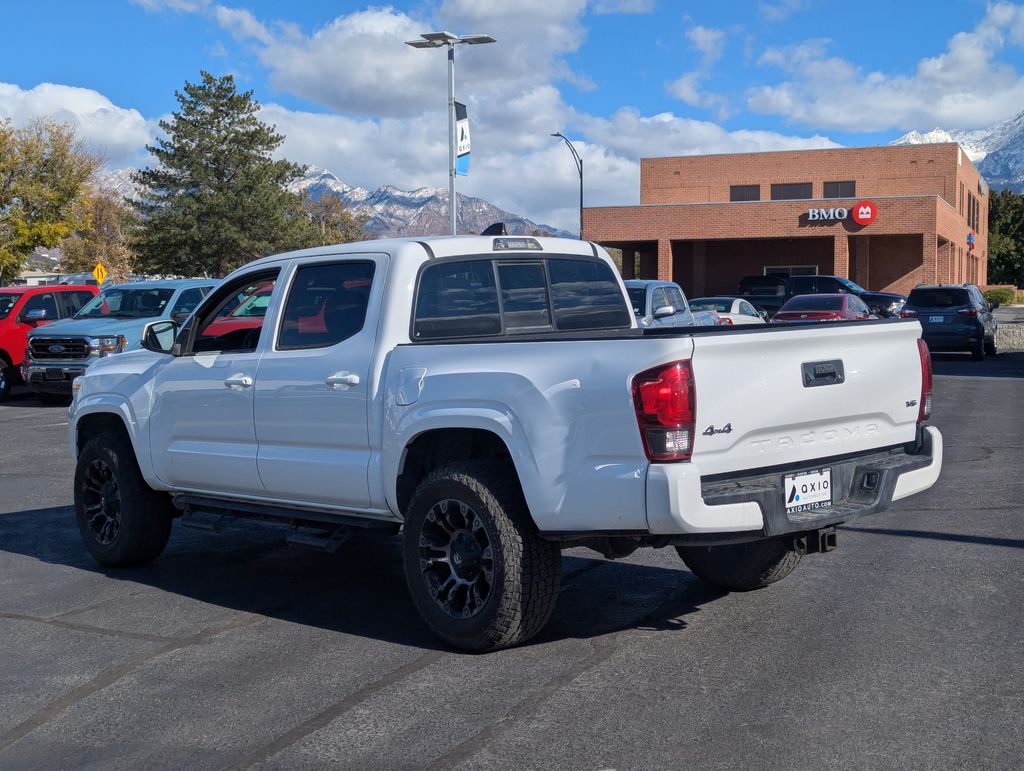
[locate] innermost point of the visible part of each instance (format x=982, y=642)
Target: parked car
x=954, y=317
x=808, y=308
x=110, y=323
x=495, y=400
x=730, y=310
x=771, y=292
x=663, y=304
x=23, y=309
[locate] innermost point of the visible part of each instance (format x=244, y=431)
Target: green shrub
x=1002, y=295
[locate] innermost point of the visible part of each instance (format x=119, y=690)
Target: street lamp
x=436, y=40
x=579, y=167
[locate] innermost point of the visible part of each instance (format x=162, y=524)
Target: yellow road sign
x=99, y=273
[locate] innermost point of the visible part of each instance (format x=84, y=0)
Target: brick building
x=887, y=218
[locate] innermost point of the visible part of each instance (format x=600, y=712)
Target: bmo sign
x=863, y=213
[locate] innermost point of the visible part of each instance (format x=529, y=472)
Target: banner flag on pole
x=462, y=140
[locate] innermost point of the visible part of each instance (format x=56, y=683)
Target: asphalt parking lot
x=904, y=648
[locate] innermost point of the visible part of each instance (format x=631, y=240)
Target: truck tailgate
x=785, y=395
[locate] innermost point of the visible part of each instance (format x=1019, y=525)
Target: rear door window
x=326, y=305
x=74, y=301
x=803, y=284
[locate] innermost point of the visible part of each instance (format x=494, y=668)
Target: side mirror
x=663, y=311
x=158, y=336
x=34, y=316
x=993, y=305
x=762, y=313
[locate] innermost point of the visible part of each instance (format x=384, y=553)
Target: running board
x=325, y=530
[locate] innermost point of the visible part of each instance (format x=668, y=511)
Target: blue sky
x=624, y=78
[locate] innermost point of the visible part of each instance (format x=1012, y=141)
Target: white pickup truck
x=493, y=399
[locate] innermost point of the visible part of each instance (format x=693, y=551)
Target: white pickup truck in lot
x=493, y=399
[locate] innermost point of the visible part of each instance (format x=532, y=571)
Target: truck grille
x=62, y=348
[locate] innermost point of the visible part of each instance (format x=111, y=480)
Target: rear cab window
x=485, y=296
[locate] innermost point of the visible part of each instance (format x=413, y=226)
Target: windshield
x=127, y=303
x=710, y=304
x=854, y=288
x=7, y=301
x=638, y=299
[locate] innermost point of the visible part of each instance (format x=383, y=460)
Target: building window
x=972, y=212
x=744, y=192
x=785, y=271
x=791, y=191
x=841, y=189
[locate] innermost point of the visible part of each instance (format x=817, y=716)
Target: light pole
x=579, y=167
x=436, y=40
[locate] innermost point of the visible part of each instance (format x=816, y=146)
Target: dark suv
x=770, y=292
x=954, y=317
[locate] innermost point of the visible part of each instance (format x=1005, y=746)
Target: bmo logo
x=864, y=213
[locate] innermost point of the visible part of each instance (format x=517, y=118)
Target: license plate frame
x=807, y=490
x=54, y=373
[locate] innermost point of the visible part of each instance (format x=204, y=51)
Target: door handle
x=342, y=379
x=238, y=381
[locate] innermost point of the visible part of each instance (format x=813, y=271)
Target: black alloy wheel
x=456, y=558
x=478, y=572
x=101, y=502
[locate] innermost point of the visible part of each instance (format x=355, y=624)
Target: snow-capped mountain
x=390, y=212
x=998, y=151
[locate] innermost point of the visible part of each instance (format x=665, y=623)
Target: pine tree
x=1006, y=238
x=216, y=200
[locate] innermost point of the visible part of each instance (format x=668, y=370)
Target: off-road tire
x=526, y=570
x=741, y=567
x=144, y=515
x=978, y=352
x=991, y=347
x=8, y=376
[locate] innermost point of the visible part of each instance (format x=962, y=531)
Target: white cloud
x=710, y=44
x=708, y=41
x=242, y=25
x=780, y=10
x=623, y=6
x=115, y=134
x=388, y=125
x=963, y=87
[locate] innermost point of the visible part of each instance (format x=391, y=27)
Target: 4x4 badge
x=711, y=430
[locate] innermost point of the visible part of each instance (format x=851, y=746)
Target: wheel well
x=98, y=423
x=5, y=357
x=433, y=449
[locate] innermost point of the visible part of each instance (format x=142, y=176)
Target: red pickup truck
x=23, y=308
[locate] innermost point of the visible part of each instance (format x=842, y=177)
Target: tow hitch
x=818, y=541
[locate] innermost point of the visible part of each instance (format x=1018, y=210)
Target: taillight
x=665, y=402
x=967, y=312
x=908, y=314
x=724, y=320
x=925, y=410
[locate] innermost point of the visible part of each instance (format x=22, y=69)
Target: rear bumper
x=679, y=503
x=961, y=340
x=51, y=379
